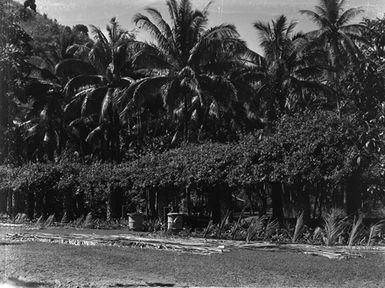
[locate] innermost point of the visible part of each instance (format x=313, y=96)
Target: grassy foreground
x=54, y=265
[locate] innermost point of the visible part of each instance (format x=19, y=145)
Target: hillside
x=41, y=28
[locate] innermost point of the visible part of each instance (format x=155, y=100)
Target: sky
x=242, y=13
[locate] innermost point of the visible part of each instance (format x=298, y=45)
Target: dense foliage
x=313, y=155
x=104, y=123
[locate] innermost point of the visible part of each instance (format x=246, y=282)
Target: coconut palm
x=40, y=122
x=108, y=53
x=336, y=34
x=91, y=112
x=289, y=68
x=42, y=128
x=177, y=62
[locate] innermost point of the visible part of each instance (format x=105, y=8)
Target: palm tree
x=108, y=53
x=177, y=62
x=92, y=112
x=41, y=110
x=336, y=35
x=288, y=71
x=42, y=126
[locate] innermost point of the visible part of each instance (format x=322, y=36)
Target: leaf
x=81, y=81
x=93, y=101
x=298, y=227
x=70, y=68
x=95, y=134
x=355, y=231
x=148, y=89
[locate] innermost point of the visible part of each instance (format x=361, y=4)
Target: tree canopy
x=301, y=125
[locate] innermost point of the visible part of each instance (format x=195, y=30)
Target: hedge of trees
x=103, y=123
x=312, y=162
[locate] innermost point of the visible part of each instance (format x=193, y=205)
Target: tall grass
x=154, y=225
x=208, y=227
x=333, y=227
x=222, y=225
x=271, y=228
x=21, y=218
x=88, y=222
x=233, y=233
x=318, y=234
x=298, y=227
x=40, y=220
x=256, y=227
x=355, y=231
x=64, y=219
x=49, y=220
x=375, y=230
x=78, y=222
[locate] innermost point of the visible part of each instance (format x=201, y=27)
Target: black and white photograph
x=192, y=143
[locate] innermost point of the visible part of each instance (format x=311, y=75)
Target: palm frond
x=271, y=228
x=221, y=89
x=95, y=134
x=126, y=94
x=375, y=230
x=356, y=29
x=99, y=36
x=333, y=227
x=72, y=110
x=93, y=101
x=106, y=107
x=69, y=68
x=170, y=94
x=184, y=10
x=252, y=57
x=255, y=228
x=290, y=28
x=149, y=88
x=318, y=234
x=330, y=9
x=198, y=23
x=321, y=10
x=355, y=231
x=280, y=26
x=349, y=45
x=149, y=61
x=321, y=21
x=80, y=81
x=221, y=33
x=100, y=57
x=222, y=67
x=264, y=30
x=348, y=15
x=173, y=9
x=78, y=50
x=143, y=22
x=115, y=33
x=164, y=28
x=298, y=227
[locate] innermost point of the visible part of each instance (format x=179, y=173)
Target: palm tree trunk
x=333, y=54
x=304, y=200
x=185, y=118
x=276, y=195
x=353, y=194
x=2, y=110
x=3, y=201
x=4, y=115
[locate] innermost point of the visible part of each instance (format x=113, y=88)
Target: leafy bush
x=312, y=154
